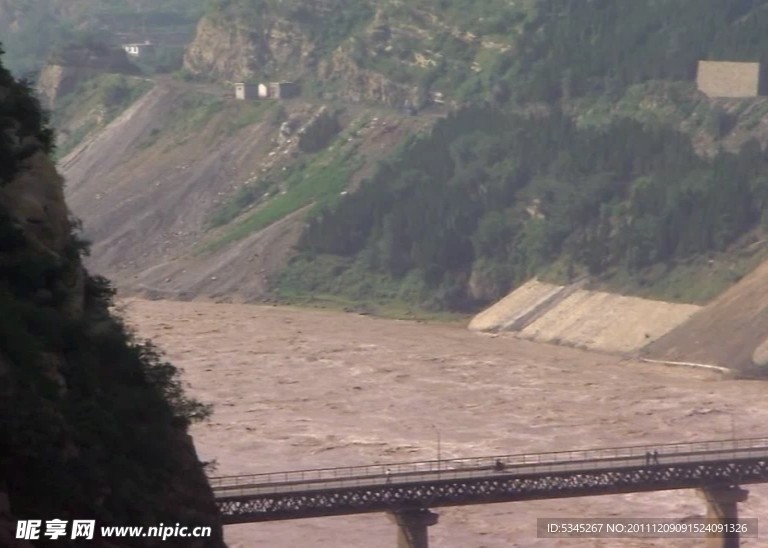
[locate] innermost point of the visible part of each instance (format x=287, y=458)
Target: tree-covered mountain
x=93, y=423
x=519, y=182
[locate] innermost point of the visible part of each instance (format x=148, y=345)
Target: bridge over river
x=407, y=491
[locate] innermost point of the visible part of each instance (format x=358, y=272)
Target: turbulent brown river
x=296, y=389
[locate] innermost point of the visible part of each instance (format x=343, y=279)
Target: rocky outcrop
x=319, y=131
x=361, y=85
x=283, y=49
x=34, y=202
x=235, y=52
x=35, y=199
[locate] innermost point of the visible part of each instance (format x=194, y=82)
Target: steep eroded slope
x=191, y=193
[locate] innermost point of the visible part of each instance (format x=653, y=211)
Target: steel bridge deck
x=432, y=484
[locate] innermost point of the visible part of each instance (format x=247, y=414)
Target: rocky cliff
x=239, y=52
x=299, y=43
x=94, y=422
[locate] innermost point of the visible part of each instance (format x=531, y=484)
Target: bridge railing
x=589, y=459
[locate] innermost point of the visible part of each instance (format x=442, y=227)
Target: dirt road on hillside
x=299, y=389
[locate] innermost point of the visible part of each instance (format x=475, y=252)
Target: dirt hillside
x=148, y=184
x=726, y=332
x=144, y=208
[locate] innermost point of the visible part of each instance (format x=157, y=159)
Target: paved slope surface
x=607, y=322
x=512, y=312
x=578, y=317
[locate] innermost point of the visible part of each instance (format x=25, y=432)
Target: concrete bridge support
x=412, y=527
x=722, y=506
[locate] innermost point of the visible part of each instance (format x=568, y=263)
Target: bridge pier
x=722, y=506
x=412, y=527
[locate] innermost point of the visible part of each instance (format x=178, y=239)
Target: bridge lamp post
x=437, y=430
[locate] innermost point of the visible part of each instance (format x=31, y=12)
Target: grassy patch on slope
x=697, y=280
x=319, y=181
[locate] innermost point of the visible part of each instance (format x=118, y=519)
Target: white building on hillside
x=139, y=50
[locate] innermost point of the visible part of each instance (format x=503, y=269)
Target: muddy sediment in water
x=296, y=389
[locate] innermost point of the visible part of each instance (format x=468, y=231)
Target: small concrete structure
x=728, y=79
x=283, y=90
x=139, y=50
x=245, y=91
x=263, y=91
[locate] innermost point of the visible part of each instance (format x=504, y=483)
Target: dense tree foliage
x=23, y=125
x=92, y=421
x=503, y=196
x=574, y=48
x=495, y=195
x=543, y=49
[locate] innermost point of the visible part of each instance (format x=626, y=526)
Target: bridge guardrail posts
x=708, y=454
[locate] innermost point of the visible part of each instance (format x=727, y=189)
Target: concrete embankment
x=577, y=317
x=516, y=310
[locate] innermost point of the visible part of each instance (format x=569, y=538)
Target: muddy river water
x=296, y=389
